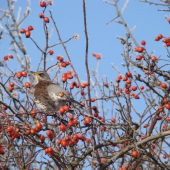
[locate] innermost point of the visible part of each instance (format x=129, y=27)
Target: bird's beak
x=34, y=73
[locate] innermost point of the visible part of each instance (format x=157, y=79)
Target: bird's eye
x=41, y=74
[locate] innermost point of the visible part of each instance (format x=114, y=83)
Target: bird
x=49, y=96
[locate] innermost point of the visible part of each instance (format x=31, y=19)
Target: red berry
x=87, y=119
x=142, y=87
x=113, y=120
x=74, y=121
x=62, y=127
x=11, y=56
x=157, y=39
x=70, y=124
x=10, y=129
x=163, y=85
x=51, y=52
x=19, y=75
x=125, y=78
x=5, y=57
x=49, y=132
x=117, y=80
x=128, y=82
x=27, y=34
x=66, y=108
x=92, y=100
x=153, y=58
x=160, y=36
x=41, y=15
x=165, y=100
x=164, y=156
x=63, y=64
x=80, y=136
x=134, y=88
x=134, y=153
x=103, y=128
x=11, y=84
x=24, y=74
x=98, y=56
x=22, y=31
x=62, y=110
x=143, y=42
x=146, y=125
x=46, y=19
x=10, y=88
x=82, y=93
x=43, y=4
x=42, y=138
x=136, y=97
x=103, y=160
x=167, y=106
x=63, y=143
x=168, y=44
x=33, y=113
x=169, y=20
x=69, y=76
x=129, y=74
x=30, y=28
x=139, y=57
x=71, y=117
x=27, y=85
x=59, y=142
x=96, y=114
x=64, y=79
x=94, y=54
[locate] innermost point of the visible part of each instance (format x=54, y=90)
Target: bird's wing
x=57, y=91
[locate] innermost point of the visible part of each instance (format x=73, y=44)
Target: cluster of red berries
x=21, y=74
x=13, y=133
x=66, y=76
x=73, y=121
x=128, y=87
x=49, y=151
x=139, y=49
x=160, y=36
x=96, y=114
x=11, y=86
x=87, y=120
x=63, y=63
x=64, y=109
x=75, y=139
x=98, y=56
x=27, y=32
x=43, y=4
x=46, y=19
x=8, y=56
x=165, y=40
x=33, y=131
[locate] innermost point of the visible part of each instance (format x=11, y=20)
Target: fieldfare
x=47, y=95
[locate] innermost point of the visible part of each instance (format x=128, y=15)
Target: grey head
x=41, y=76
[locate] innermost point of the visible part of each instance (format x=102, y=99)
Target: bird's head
x=41, y=76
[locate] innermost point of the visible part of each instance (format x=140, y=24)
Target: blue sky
x=102, y=38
